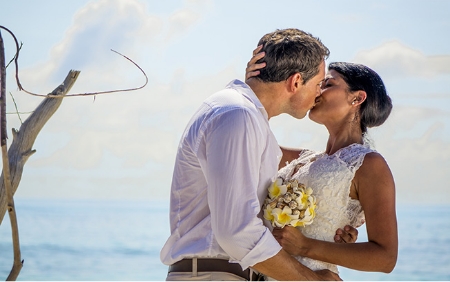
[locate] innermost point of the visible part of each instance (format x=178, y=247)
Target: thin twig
x=16, y=57
x=14, y=101
x=97, y=93
x=12, y=60
x=15, y=105
x=22, y=113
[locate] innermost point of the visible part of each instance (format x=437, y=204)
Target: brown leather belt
x=212, y=265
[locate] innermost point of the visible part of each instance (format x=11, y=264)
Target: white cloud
x=181, y=21
x=415, y=143
x=184, y=19
x=138, y=131
x=98, y=27
x=395, y=59
x=114, y=121
x=123, y=25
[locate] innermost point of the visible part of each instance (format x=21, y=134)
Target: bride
x=351, y=181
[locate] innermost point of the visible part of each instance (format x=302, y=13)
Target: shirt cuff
x=266, y=248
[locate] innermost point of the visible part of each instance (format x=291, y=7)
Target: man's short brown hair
x=290, y=51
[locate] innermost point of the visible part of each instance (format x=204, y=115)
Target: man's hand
x=296, y=244
x=347, y=235
x=291, y=239
x=326, y=275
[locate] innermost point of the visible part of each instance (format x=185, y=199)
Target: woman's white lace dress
x=330, y=177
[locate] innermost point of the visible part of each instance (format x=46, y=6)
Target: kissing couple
x=228, y=157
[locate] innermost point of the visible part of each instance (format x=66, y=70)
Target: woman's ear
x=359, y=98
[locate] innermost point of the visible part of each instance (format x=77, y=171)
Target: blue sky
x=123, y=145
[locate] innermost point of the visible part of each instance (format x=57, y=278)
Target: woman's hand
x=252, y=67
x=347, y=235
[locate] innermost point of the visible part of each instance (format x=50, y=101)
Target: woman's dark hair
x=290, y=51
x=378, y=105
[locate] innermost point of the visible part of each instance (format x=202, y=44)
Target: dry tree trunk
x=23, y=140
x=17, y=263
x=18, y=154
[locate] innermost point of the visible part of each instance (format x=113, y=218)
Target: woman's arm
x=376, y=191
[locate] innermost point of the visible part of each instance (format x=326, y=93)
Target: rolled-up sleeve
x=235, y=143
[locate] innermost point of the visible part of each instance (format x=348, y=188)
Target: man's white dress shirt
x=226, y=159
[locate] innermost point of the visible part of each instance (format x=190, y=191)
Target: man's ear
x=295, y=82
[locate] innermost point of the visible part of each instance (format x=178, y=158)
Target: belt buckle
x=257, y=276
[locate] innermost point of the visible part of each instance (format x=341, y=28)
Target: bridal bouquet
x=289, y=203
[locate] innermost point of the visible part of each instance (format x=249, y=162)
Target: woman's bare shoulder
x=373, y=160
x=374, y=167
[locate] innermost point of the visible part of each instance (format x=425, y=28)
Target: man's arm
x=234, y=156
x=284, y=267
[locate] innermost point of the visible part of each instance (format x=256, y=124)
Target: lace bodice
x=330, y=177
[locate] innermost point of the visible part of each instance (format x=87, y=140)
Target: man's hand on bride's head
x=347, y=235
x=252, y=67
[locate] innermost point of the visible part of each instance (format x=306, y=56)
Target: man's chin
x=301, y=115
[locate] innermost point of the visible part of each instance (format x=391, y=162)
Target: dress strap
x=354, y=154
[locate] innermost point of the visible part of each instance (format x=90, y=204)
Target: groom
x=226, y=159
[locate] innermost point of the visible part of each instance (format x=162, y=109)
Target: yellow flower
x=312, y=205
x=297, y=222
x=277, y=189
x=303, y=198
x=308, y=218
x=289, y=203
x=312, y=211
x=283, y=216
x=268, y=214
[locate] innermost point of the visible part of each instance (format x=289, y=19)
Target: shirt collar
x=247, y=92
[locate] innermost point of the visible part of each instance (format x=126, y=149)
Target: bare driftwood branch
x=17, y=263
x=18, y=154
x=23, y=139
x=15, y=158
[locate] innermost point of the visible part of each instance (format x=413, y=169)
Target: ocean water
x=121, y=240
